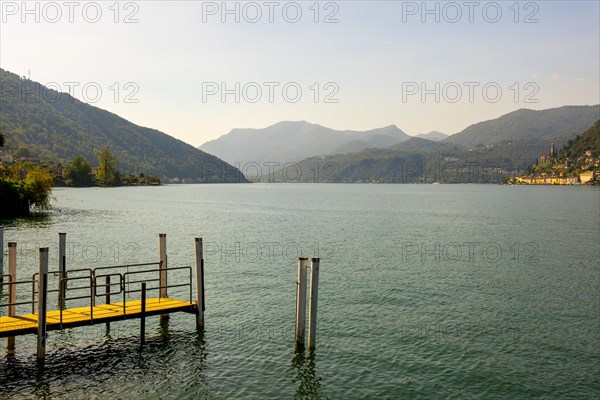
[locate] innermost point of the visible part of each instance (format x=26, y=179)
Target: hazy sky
x=196, y=72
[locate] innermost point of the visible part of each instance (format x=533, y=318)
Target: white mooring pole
x=199, y=284
x=312, y=313
x=301, y=302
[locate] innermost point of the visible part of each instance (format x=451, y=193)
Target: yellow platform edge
x=81, y=316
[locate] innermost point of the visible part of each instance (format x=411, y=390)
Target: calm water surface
x=426, y=291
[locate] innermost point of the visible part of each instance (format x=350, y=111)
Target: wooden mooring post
x=12, y=289
x=312, y=312
x=42, y=303
x=199, y=284
x=301, y=302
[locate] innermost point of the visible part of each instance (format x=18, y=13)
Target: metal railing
x=122, y=279
x=120, y=285
x=108, y=285
x=127, y=291
x=64, y=282
x=11, y=284
x=63, y=300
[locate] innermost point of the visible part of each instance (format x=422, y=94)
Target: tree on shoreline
x=38, y=187
x=78, y=173
x=18, y=195
x=107, y=173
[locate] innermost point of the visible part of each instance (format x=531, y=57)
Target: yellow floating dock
x=82, y=316
x=92, y=286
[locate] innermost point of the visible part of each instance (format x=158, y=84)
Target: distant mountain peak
x=293, y=123
x=435, y=136
x=287, y=141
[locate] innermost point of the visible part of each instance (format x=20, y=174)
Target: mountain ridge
x=552, y=125
x=65, y=128
x=422, y=160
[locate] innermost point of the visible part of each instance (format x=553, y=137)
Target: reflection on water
x=306, y=378
x=42, y=387
x=35, y=220
x=164, y=328
x=173, y=362
x=201, y=387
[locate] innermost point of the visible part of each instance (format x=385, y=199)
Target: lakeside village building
x=559, y=175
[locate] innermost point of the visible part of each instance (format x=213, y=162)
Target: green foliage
x=57, y=127
x=78, y=173
x=38, y=187
x=22, y=152
x=134, y=180
x=10, y=172
x=107, y=169
x=13, y=199
x=587, y=141
x=17, y=195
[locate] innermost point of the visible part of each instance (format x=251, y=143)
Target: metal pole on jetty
x=312, y=313
x=62, y=267
x=12, y=289
x=199, y=283
x=162, y=253
x=301, y=302
x=42, y=303
x=143, y=317
x=107, y=299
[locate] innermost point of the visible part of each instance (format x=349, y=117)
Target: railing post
x=199, y=283
x=107, y=290
x=62, y=267
x=162, y=248
x=143, y=316
x=12, y=289
x=312, y=312
x=42, y=303
x=92, y=299
x=301, y=302
x=12, y=271
x=107, y=296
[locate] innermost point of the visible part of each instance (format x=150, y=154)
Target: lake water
x=426, y=291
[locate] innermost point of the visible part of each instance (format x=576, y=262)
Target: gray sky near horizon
x=191, y=70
